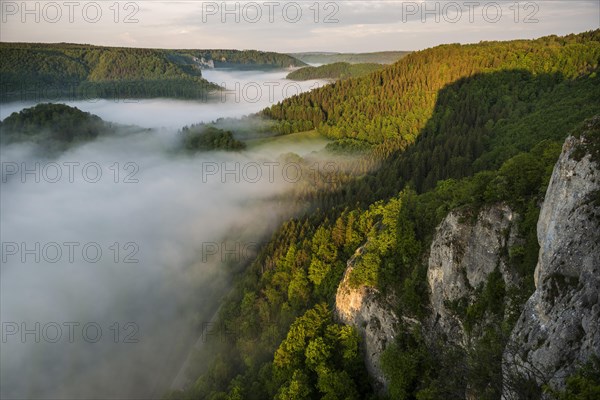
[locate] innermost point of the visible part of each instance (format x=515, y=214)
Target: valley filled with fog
x=132, y=242
x=299, y=200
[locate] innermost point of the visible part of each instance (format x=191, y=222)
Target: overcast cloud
x=349, y=26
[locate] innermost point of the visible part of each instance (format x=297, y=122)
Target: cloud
x=384, y=25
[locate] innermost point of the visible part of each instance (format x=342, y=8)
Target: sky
x=291, y=26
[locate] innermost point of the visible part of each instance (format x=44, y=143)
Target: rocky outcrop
x=559, y=327
x=463, y=254
x=363, y=308
x=203, y=63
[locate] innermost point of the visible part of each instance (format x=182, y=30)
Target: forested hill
x=469, y=105
x=395, y=103
x=49, y=71
x=245, y=58
x=339, y=70
x=54, y=127
x=485, y=124
x=380, y=57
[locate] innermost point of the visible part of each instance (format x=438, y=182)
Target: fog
x=246, y=92
x=134, y=250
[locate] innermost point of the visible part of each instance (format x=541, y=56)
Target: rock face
x=463, y=254
x=560, y=324
x=363, y=308
x=559, y=327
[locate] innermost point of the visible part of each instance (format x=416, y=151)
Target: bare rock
x=560, y=324
x=463, y=254
x=364, y=308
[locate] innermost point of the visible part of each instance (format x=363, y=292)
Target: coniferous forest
x=340, y=70
x=30, y=71
x=452, y=131
x=455, y=127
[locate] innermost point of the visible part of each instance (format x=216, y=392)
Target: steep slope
x=249, y=59
x=382, y=57
x=474, y=286
x=559, y=328
x=497, y=136
x=364, y=309
x=55, y=71
x=339, y=70
x=396, y=103
x=463, y=255
x=40, y=71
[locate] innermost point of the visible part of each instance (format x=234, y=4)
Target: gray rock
x=560, y=324
x=559, y=327
x=463, y=254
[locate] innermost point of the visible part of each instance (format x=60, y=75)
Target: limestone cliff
x=363, y=308
x=464, y=252
x=560, y=324
x=559, y=327
x=462, y=255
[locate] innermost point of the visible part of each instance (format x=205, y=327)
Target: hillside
x=52, y=125
x=339, y=70
x=246, y=59
x=71, y=71
x=381, y=57
x=464, y=140
x=198, y=138
x=396, y=102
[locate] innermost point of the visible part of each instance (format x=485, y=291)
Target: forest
x=455, y=127
x=246, y=58
x=452, y=127
x=47, y=72
x=200, y=137
x=340, y=70
x=53, y=126
x=379, y=57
